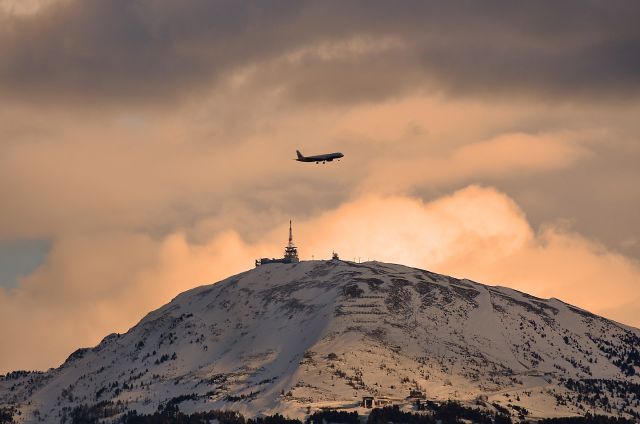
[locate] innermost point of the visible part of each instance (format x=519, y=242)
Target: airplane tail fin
x=300, y=155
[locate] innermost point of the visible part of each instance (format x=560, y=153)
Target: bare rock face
x=285, y=337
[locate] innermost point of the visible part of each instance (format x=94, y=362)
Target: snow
x=287, y=337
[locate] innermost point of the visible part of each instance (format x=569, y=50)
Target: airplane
x=328, y=157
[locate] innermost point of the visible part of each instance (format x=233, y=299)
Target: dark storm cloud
x=143, y=49
x=128, y=48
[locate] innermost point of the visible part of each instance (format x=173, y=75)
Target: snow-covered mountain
x=289, y=337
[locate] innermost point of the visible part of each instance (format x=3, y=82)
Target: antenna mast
x=290, y=235
x=291, y=252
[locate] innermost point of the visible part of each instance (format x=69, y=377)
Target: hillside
x=292, y=338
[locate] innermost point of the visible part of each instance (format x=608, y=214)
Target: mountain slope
x=284, y=337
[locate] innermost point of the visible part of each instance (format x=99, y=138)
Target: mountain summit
x=292, y=338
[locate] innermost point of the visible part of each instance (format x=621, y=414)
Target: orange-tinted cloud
x=91, y=286
x=506, y=154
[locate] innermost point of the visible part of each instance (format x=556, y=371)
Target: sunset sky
x=146, y=148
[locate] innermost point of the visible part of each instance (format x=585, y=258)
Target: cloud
x=505, y=154
x=131, y=171
x=93, y=285
x=24, y=7
x=149, y=51
x=65, y=173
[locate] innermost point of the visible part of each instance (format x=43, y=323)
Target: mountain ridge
x=287, y=337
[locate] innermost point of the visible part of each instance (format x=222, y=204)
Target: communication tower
x=291, y=251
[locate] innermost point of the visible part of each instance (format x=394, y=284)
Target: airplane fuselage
x=328, y=157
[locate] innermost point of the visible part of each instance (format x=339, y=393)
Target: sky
x=146, y=148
